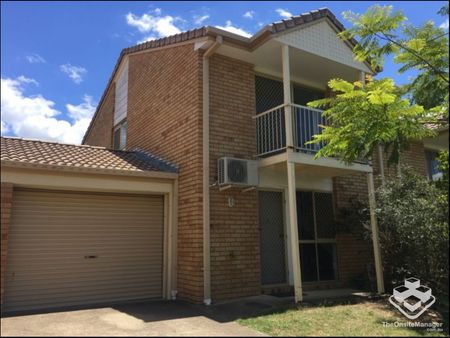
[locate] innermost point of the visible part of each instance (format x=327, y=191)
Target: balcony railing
x=271, y=132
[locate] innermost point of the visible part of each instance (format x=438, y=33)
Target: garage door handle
x=90, y=257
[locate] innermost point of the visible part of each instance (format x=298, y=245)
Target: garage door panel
x=52, y=232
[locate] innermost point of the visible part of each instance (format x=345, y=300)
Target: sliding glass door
x=317, y=236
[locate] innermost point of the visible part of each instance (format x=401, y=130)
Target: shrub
x=413, y=224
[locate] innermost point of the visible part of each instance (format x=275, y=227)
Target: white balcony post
x=374, y=228
x=295, y=254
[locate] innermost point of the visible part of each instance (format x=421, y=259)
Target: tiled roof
x=273, y=28
x=20, y=151
x=298, y=20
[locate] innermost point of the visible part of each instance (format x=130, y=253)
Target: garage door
x=69, y=248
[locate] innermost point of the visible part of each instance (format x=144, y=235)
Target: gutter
x=206, y=210
x=89, y=170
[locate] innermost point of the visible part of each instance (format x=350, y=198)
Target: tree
x=362, y=117
x=382, y=31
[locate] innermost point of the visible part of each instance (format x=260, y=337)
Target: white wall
x=321, y=39
x=277, y=179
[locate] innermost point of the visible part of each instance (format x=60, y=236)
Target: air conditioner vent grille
x=235, y=171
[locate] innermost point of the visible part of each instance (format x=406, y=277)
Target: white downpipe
x=206, y=210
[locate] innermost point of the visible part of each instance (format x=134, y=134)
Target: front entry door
x=273, y=262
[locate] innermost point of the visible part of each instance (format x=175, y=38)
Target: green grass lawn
x=362, y=319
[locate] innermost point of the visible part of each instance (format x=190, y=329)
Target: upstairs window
x=120, y=135
x=432, y=165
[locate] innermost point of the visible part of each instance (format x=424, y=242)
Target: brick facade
x=101, y=132
x=165, y=118
x=353, y=253
x=6, y=206
x=235, y=264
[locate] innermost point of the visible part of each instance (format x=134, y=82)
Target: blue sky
x=56, y=57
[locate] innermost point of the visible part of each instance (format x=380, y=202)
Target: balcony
x=271, y=132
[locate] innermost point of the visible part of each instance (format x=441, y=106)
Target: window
x=317, y=236
x=432, y=165
x=269, y=94
x=120, y=135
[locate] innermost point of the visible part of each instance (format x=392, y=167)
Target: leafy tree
x=362, y=116
x=413, y=223
x=382, y=31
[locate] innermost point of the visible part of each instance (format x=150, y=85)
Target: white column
x=374, y=228
x=292, y=200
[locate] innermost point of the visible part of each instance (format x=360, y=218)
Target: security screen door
x=273, y=254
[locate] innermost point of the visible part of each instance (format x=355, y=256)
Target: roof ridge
x=53, y=142
x=156, y=42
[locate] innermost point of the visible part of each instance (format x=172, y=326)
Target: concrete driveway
x=143, y=319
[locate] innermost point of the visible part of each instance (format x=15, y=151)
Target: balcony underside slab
x=324, y=166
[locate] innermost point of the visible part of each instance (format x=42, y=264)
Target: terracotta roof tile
x=24, y=151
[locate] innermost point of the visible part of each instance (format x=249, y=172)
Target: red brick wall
x=165, y=118
x=235, y=257
x=6, y=206
x=413, y=157
x=353, y=253
x=101, y=133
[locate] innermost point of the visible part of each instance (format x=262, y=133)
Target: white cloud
x=35, y=58
x=23, y=79
x=159, y=26
x=283, y=13
x=34, y=116
x=76, y=73
x=444, y=25
x=198, y=19
x=249, y=14
x=84, y=110
x=236, y=30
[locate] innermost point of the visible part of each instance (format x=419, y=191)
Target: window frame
x=316, y=241
x=122, y=125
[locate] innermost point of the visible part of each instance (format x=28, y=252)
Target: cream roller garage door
x=68, y=248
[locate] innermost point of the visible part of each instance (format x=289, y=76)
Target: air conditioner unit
x=235, y=171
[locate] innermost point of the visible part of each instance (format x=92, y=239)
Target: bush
x=413, y=224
